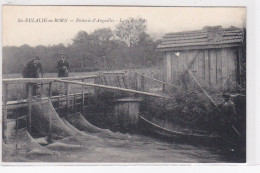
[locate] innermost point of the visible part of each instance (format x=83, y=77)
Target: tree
x=104, y=34
x=130, y=30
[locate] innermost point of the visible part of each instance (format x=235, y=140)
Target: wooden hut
x=216, y=56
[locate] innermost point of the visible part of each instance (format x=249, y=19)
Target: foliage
x=102, y=49
x=130, y=30
x=188, y=108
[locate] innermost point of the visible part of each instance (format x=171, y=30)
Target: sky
x=17, y=30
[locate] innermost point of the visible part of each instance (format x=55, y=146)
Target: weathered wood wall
x=211, y=66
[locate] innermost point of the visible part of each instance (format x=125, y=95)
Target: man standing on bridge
x=33, y=69
x=63, y=66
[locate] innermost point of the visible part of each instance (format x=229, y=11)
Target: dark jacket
x=32, y=70
x=63, y=68
x=229, y=111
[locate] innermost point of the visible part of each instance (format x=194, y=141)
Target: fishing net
x=24, y=144
x=9, y=132
x=43, y=114
x=82, y=124
x=72, y=128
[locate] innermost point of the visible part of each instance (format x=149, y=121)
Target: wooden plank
x=164, y=67
x=42, y=80
x=213, y=69
x=168, y=67
x=198, y=67
x=206, y=66
x=237, y=65
x=29, y=117
x=219, y=69
x=209, y=67
x=232, y=68
x=201, y=69
x=224, y=68
x=174, y=66
x=114, y=88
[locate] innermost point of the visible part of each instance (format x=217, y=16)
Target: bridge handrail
x=40, y=80
x=166, y=83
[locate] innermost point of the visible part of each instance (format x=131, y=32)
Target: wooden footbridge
x=140, y=85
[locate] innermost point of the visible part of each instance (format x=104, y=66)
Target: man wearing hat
x=63, y=66
x=33, y=69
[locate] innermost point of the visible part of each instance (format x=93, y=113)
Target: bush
x=188, y=107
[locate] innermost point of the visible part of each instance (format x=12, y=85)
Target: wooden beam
x=41, y=80
x=114, y=88
x=24, y=101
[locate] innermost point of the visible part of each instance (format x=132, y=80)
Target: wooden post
x=49, y=139
x=5, y=98
x=49, y=113
x=16, y=132
x=83, y=95
x=58, y=105
x=164, y=87
x=41, y=91
x=142, y=83
x=50, y=90
x=74, y=102
x=136, y=82
x=67, y=99
x=29, y=117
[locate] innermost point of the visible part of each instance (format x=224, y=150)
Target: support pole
x=67, y=99
x=29, y=117
x=142, y=83
x=16, y=132
x=74, y=103
x=136, y=82
x=49, y=139
x=83, y=95
x=58, y=105
x=164, y=87
x=50, y=89
x=5, y=98
x=49, y=113
x=41, y=91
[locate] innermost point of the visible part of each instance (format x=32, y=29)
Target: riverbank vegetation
x=190, y=108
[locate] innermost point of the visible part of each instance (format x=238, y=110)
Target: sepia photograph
x=124, y=84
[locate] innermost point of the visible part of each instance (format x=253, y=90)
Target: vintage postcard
x=123, y=84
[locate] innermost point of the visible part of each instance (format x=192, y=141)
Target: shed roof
x=209, y=37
